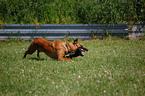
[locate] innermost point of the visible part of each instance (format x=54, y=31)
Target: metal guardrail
x=136, y=30
x=59, y=31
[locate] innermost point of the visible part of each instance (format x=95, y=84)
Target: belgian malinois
x=56, y=49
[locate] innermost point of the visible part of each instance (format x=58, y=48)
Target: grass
x=110, y=68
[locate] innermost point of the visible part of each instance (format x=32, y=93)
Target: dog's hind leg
x=29, y=52
x=31, y=49
x=38, y=53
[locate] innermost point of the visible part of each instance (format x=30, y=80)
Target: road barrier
x=60, y=31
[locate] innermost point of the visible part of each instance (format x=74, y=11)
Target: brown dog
x=57, y=49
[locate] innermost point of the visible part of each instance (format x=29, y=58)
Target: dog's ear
x=75, y=41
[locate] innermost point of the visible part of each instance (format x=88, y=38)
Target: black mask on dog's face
x=79, y=52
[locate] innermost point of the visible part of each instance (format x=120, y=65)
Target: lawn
x=109, y=68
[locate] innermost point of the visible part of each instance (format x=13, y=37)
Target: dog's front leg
x=60, y=54
x=60, y=57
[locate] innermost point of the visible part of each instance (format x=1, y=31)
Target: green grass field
x=109, y=68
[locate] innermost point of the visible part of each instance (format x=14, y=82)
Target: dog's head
x=79, y=49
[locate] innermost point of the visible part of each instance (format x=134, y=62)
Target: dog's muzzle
x=81, y=50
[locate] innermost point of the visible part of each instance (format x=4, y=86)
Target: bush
x=71, y=11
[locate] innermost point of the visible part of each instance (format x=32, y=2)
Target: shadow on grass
x=37, y=59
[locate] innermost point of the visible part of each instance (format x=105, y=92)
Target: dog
x=56, y=49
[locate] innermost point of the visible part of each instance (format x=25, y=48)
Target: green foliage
x=109, y=68
x=71, y=11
